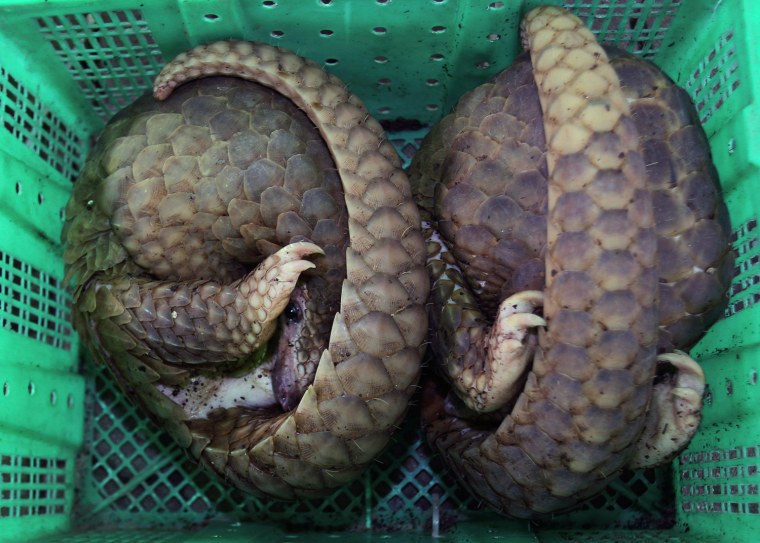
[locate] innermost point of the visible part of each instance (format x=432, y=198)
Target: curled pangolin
x=584, y=185
x=254, y=281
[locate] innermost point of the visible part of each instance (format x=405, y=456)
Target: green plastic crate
x=79, y=464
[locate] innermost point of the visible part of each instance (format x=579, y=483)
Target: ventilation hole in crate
x=380, y=30
x=331, y=61
x=411, y=464
x=708, y=397
x=745, y=290
x=211, y=17
x=717, y=481
x=438, y=29
x=33, y=486
x=343, y=500
x=148, y=503
x=381, y=59
x=269, y=3
x=277, y=33
x=140, y=462
x=110, y=54
x=639, y=487
x=124, y=475
x=406, y=150
x=423, y=477
x=423, y=504
x=34, y=304
x=731, y=146
x=116, y=436
x=638, y=26
x=715, y=78
x=326, y=33
x=37, y=128
x=383, y=488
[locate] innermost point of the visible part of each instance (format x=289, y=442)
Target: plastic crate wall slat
x=34, y=304
x=745, y=291
x=41, y=428
x=47, y=130
x=110, y=54
x=35, y=491
x=34, y=200
x=36, y=128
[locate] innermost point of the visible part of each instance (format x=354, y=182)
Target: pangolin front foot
x=675, y=411
x=268, y=288
x=509, y=349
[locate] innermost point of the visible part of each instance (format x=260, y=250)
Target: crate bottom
x=479, y=531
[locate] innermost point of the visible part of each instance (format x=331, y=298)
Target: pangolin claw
x=508, y=353
x=516, y=316
x=674, y=413
x=269, y=286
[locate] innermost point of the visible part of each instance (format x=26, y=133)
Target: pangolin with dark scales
x=578, y=242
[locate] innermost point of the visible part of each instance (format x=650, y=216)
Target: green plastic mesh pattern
x=32, y=486
x=138, y=474
x=28, y=121
x=637, y=26
x=126, y=536
x=640, y=536
x=33, y=303
x=110, y=54
x=721, y=481
x=716, y=77
x=745, y=291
